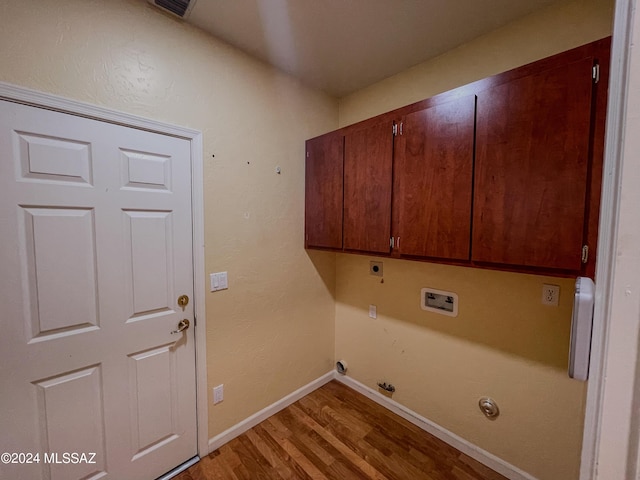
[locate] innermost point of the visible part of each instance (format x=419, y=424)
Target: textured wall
x=273, y=330
x=278, y=312
x=560, y=27
x=504, y=343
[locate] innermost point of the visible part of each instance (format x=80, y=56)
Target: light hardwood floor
x=337, y=433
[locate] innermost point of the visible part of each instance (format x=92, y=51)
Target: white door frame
x=607, y=238
x=34, y=98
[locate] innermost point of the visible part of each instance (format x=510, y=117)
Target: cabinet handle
x=398, y=243
x=585, y=253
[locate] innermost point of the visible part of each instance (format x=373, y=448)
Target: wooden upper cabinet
x=323, y=191
x=368, y=157
x=531, y=173
x=503, y=173
x=433, y=180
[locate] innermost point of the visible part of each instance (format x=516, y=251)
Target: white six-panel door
x=95, y=249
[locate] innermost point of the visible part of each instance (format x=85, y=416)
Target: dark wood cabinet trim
x=601, y=53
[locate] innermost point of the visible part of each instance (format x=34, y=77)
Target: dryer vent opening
x=341, y=367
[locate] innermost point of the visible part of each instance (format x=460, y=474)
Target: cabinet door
x=531, y=169
x=323, y=191
x=367, y=188
x=433, y=178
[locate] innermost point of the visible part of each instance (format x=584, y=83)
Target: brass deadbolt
x=183, y=301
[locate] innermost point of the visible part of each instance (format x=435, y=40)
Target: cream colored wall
x=278, y=312
x=504, y=344
x=272, y=331
x=548, y=31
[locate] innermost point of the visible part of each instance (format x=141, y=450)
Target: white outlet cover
x=550, y=294
x=373, y=311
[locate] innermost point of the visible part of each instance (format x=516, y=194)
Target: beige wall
x=273, y=330
x=551, y=30
x=278, y=314
x=504, y=343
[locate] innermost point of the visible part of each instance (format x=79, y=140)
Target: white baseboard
x=250, y=422
x=475, y=452
x=466, y=447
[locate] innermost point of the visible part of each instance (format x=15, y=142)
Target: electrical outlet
x=373, y=311
x=218, y=394
x=550, y=294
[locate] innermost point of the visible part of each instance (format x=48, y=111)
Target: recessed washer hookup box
x=439, y=301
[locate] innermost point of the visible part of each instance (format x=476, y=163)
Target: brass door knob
x=183, y=325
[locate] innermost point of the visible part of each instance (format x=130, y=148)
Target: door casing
x=37, y=99
x=607, y=240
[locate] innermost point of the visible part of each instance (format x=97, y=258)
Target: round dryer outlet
x=489, y=407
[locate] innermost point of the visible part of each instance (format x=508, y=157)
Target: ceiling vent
x=179, y=8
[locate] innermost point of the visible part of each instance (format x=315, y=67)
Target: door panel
x=153, y=378
x=323, y=191
x=368, y=157
x=53, y=160
x=532, y=160
x=150, y=253
x=58, y=416
x=96, y=248
x=145, y=171
x=60, y=240
x=433, y=177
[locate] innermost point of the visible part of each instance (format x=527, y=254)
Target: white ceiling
x=341, y=46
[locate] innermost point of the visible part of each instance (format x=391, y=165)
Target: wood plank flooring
x=337, y=433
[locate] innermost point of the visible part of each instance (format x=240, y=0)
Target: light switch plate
x=218, y=394
x=373, y=311
x=218, y=281
x=222, y=280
